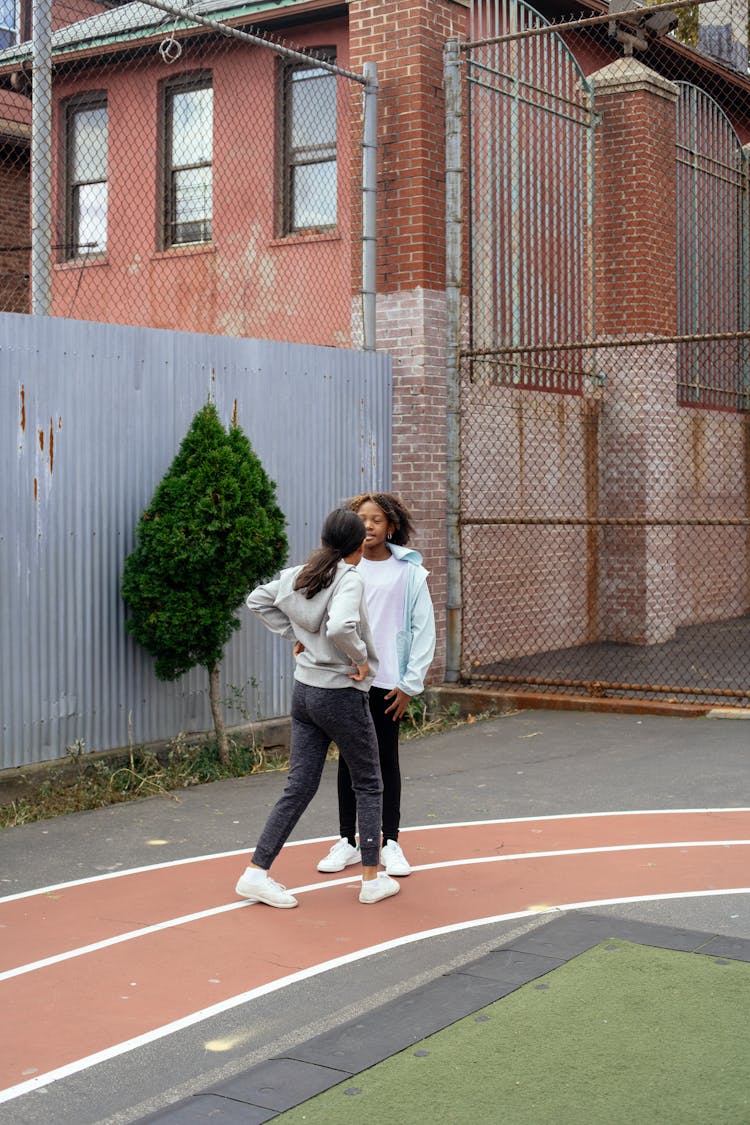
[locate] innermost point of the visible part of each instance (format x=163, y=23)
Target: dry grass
x=82, y=783
x=96, y=784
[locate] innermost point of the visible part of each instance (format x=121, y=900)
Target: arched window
x=531, y=188
x=712, y=282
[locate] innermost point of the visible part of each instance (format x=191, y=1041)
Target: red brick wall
x=247, y=282
x=536, y=588
x=406, y=41
x=529, y=588
x=635, y=229
x=70, y=11
x=411, y=327
x=14, y=226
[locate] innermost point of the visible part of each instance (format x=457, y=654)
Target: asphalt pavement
x=527, y=764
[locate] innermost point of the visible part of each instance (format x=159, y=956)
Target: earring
x=388, y=536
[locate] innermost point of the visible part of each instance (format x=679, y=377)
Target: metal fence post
x=41, y=162
x=453, y=248
x=369, y=199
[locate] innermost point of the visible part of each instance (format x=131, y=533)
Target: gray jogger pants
x=321, y=716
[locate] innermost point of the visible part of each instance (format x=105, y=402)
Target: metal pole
x=41, y=159
x=369, y=200
x=453, y=249
x=256, y=40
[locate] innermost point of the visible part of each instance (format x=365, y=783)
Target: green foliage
x=687, y=26
x=212, y=532
x=97, y=784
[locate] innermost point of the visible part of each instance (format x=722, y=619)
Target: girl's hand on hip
x=363, y=670
x=400, y=702
x=298, y=648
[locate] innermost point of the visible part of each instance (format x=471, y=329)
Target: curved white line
x=327, y=840
x=185, y=919
x=51, y=1076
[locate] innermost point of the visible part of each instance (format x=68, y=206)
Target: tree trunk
x=215, y=699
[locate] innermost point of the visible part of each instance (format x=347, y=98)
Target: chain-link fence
x=206, y=168
x=191, y=173
x=603, y=530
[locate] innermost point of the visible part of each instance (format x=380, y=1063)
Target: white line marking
x=78, y=1065
x=171, y=923
x=327, y=839
x=152, y=867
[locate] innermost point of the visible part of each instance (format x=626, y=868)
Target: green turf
x=621, y=1034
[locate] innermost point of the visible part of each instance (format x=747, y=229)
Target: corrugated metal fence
x=91, y=418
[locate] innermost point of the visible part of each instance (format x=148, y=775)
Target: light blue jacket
x=415, y=643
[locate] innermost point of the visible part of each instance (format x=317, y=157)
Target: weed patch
x=84, y=784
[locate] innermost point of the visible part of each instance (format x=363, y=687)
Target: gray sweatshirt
x=333, y=626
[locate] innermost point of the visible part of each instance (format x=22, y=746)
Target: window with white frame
x=9, y=21
x=86, y=143
x=188, y=160
x=308, y=159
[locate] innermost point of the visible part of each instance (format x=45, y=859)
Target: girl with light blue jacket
x=402, y=620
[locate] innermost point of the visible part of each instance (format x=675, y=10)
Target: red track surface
x=83, y=999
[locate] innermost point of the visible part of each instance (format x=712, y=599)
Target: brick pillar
x=635, y=268
x=406, y=40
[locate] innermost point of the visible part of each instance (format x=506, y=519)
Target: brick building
x=219, y=194
x=15, y=129
x=15, y=134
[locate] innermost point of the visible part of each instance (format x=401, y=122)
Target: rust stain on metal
x=51, y=444
x=598, y=687
x=23, y=408
x=36, y=490
x=40, y=434
x=591, y=474
x=234, y=413
x=698, y=442
x=521, y=452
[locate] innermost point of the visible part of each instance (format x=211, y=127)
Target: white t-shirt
x=385, y=590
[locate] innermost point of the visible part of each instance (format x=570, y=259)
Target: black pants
x=321, y=716
x=387, y=734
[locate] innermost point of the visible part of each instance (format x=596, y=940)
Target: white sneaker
x=341, y=855
x=382, y=886
x=394, y=860
x=258, y=886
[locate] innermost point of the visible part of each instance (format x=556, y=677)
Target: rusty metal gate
x=599, y=437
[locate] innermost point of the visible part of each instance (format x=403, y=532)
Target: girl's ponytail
x=318, y=571
x=343, y=532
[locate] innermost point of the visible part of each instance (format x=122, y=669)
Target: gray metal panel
x=92, y=415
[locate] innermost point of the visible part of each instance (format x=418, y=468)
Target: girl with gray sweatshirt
x=321, y=607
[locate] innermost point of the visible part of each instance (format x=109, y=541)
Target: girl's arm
x=261, y=602
x=345, y=616
x=422, y=648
